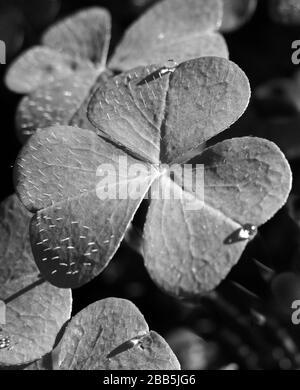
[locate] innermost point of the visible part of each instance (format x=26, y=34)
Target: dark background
x=262, y=49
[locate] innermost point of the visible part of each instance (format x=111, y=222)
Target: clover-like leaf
x=16, y=257
x=236, y=13
x=40, y=66
x=35, y=313
x=246, y=180
x=172, y=29
x=85, y=35
x=112, y=334
x=154, y=116
x=75, y=233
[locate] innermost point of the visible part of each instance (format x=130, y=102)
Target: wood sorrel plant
x=33, y=314
x=152, y=115
x=155, y=116
x=59, y=74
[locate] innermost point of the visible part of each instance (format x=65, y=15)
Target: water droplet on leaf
x=246, y=232
x=126, y=346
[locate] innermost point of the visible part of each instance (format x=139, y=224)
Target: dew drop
x=246, y=232
x=127, y=345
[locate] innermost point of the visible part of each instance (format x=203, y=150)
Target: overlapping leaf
x=16, y=258
x=177, y=30
x=60, y=74
x=85, y=35
x=55, y=75
x=158, y=116
x=35, y=313
x=112, y=334
x=53, y=104
x=40, y=66
x=79, y=42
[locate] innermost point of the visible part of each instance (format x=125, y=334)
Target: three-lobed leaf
x=156, y=117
